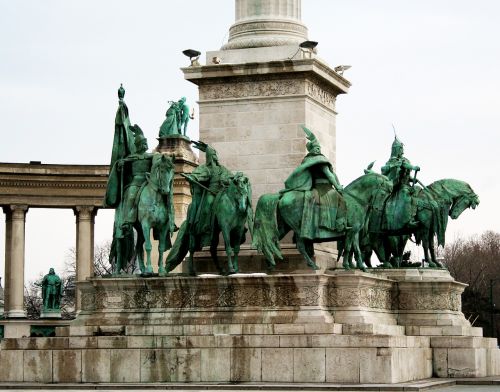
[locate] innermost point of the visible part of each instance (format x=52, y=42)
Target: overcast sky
x=428, y=66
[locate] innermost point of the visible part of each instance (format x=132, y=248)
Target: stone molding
x=85, y=213
x=18, y=211
x=189, y=293
x=269, y=88
x=40, y=184
x=261, y=88
x=265, y=25
x=337, y=291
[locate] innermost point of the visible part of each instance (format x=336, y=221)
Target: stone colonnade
x=15, y=222
x=24, y=186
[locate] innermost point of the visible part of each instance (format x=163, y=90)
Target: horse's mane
x=158, y=159
x=360, y=178
x=450, y=187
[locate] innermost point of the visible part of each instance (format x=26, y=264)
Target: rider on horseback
x=206, y=182
x=401, y=206
x=324, y=207
x=135, y=167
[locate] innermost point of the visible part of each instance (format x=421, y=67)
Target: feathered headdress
x=313, y=142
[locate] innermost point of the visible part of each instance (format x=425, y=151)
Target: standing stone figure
x=52, y=291
x=185, y=116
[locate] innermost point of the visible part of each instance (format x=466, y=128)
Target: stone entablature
x=50, y=185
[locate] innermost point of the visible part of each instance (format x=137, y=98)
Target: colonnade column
x=85, y=216
x=14, y=260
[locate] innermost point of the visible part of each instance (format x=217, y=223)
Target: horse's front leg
x=213, y=251
x=346, y=262
x=358, y=254
x=236, y=247
x=433, y=253
x=139, y=251
x=161, y=249
x=426, y=246
x=148, y=247
x=229, y=251
x=301, y=246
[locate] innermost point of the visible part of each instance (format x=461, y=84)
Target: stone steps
x=220, y=358
x=453, y=330
x=201, y=329
x=215, y=341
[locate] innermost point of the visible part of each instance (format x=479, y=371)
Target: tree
x=476, y=262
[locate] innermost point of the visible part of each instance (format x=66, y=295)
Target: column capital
x=18, y=210
x=85, y=212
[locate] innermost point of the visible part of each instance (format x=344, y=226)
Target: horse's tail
x=180, y=248
x=265, y=228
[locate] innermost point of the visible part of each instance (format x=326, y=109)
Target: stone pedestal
x=50, y=314
x=251, y=114
x=338, y=327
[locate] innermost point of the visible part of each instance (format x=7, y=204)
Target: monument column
x=256, y=91
x=85, y=216
x=14, y=261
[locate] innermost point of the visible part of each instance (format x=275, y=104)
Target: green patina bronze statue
x=316, y=208
x=421, y=211
x=221, y=202
x=401, y=206
x=177, y=118
x=52, y=291
x=140, y=189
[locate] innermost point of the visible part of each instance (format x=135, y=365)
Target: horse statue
x=443, y=198
x=231, y=210
x=278, y=214
x=155, y=211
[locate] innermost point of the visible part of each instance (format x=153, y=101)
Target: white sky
x=428, y=66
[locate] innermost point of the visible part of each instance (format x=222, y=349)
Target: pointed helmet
x=397, y=147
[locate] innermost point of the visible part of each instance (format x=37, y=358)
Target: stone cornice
x=314, y=68
x=49, y=185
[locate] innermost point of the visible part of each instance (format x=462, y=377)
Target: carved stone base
x=50, y=314
x=259, y=328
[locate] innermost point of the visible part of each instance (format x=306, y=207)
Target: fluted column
x=263, y=23
x=14, y=261
x=85, y=216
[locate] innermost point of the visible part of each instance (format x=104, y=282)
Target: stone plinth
x=258, y=328
x=50, y=314
x=210, y=299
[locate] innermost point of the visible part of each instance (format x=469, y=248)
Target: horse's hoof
x=162, y=273
x=386, y=265
x=314, y=266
